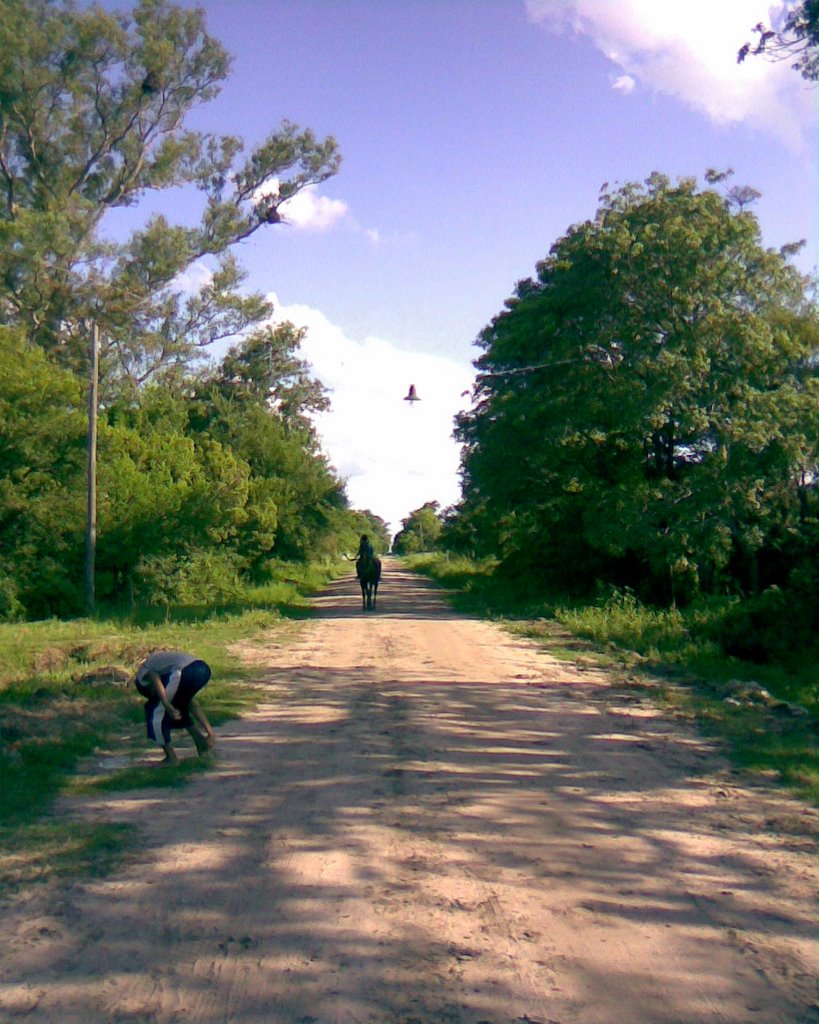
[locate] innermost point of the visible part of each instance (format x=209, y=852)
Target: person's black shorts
x=193, y=678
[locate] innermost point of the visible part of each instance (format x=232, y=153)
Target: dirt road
x=431, y=822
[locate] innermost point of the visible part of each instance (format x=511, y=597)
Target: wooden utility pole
x=91, y=522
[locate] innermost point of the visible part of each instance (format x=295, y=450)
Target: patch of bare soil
x=432, y=822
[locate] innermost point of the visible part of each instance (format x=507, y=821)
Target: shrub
x=10, y=606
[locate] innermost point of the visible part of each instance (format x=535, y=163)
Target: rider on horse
x=368, y=571
x=365, y=548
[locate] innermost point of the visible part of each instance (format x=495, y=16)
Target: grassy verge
x=65, y=696
x=675, y=653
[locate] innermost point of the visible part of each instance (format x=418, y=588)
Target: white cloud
x=624, y=84
x=309, y=211
x=306, y=210
x=689, y=50
x=394, y=455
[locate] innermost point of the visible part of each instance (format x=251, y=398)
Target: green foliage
x=53, y=718
x=93, y=107
x=41, y=480
x=202, y=578
x=646, y=409
x=203, y=477
x=420, y=530
x=796, y=40
x=10, y=606
x=779, y=625
x=264, y=370
x=199, y=488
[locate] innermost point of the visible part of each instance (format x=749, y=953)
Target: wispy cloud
x=689, y=51
x=394, y=455
x=393, y=239
x=193, y=278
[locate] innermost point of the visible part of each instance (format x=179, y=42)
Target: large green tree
x=649, y=398
x=265, y=369
x=257, y=402
x=92, y=117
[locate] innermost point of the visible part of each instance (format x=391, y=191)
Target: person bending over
x=169, y=681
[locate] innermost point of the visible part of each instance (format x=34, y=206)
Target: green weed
x=65, y=694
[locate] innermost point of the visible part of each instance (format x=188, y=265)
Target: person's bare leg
x=199, y=739
x=171, y=756
x=206, y=739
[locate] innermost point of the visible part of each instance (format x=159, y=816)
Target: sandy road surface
x=432, y=822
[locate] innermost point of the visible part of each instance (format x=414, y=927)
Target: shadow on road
x=370, y=850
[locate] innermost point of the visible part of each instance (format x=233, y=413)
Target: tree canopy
x=198, y=487
x=92, y=118
x=645, y=407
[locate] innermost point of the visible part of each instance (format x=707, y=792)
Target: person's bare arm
x=159, y=689
x=199, y=715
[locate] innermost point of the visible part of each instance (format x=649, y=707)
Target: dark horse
x=368, y=571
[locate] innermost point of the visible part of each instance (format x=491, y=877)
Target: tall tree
x=264, y=368
x=648, y=398
x=92, y=112
x=257, y=402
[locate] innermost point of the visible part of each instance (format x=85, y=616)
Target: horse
x=368, y=571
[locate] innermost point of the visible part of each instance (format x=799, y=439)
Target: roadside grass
x=672, y=652
x=37, y=851
x=66, y=701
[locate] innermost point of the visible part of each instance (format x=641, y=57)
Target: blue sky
x=473, y=133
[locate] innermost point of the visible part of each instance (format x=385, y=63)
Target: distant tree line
x=646, y=411
x=420, y=531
